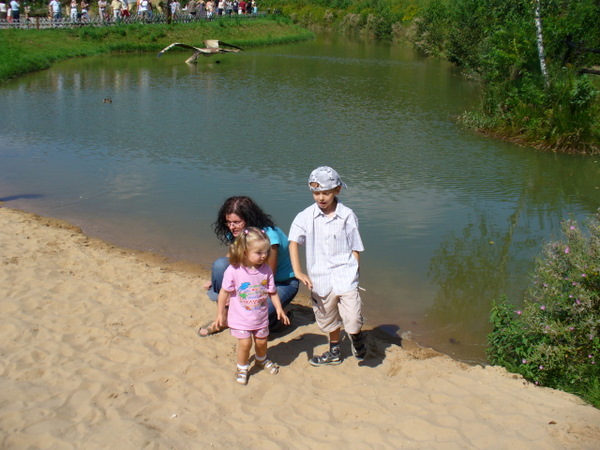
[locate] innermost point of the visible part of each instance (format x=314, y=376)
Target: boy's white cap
x=326, y=178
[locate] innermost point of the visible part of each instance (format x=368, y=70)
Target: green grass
x=24, y=51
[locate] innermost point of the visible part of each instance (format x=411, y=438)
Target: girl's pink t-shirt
x=249, y=290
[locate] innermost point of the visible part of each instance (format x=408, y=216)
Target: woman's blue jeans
x=287, y=290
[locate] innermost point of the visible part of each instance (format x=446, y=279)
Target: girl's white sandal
x=269, y=366
x=241, y=376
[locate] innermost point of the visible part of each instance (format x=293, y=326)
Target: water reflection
x=451, y=220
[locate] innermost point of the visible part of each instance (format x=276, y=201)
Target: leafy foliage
x=496, y=42
x=554, y=340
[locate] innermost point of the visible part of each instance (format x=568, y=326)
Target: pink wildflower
x=519, y=312
x=543, y=307
x=567, y=249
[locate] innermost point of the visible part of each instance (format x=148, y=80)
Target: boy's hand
x=305, y=280
x=283, y=317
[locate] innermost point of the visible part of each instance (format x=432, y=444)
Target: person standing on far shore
x=15, y=11
x=144, y=9
x=73, y=13
x=125, y=9
x=102, y=4
x=84, y=10
x=175, y=8
x=116, y=7
x=55, y=7
x=3, y=10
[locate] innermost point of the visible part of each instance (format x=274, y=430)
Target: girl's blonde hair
x=251, y=235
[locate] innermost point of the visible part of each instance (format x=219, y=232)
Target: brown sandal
x=209, y=328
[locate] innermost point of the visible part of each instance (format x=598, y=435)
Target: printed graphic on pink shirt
x=253, y=296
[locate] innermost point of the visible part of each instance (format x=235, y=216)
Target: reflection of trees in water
x=470, y=274
x=488, y=260
x=476, y=268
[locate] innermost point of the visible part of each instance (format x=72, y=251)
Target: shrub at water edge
x=554, y=339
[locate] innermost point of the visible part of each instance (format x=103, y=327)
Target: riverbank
x=25, y=51
x=99, y=346
x=538, y=89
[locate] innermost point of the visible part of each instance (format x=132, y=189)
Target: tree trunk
x=540, y=42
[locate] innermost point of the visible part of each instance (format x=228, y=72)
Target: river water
x=451, y=220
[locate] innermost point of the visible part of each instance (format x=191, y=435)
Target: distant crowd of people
x=10, y=10
x=80, y=11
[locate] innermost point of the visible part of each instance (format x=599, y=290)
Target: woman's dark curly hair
x=248, y=211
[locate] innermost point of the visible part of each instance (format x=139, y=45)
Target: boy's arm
x=295, y=259
x=357, y=256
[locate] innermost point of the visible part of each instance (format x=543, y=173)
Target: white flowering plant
x=553, y=339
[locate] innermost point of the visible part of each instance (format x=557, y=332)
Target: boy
x=329, y=231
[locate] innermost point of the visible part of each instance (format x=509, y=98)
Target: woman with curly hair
x=235, y=215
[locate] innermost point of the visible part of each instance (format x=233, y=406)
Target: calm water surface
x=451, y=220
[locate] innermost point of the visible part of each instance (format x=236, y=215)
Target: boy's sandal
x=269, y=366
x=209, y=328
x=241, y=376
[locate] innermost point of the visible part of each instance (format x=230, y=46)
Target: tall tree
x=540, y=41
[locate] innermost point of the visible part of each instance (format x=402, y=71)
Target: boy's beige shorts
x=332, y=311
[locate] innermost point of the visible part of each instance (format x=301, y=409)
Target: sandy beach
x=100, y=350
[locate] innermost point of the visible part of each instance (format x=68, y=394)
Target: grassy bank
x=24, y=51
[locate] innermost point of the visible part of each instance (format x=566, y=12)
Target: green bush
x=554, y=339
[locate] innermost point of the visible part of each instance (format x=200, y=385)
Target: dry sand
x=99, y=350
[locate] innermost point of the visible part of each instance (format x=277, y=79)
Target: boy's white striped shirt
x=329, y=243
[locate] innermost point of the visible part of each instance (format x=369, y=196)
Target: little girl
x=247, y=283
